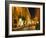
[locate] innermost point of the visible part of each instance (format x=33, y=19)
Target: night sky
x=32, y=12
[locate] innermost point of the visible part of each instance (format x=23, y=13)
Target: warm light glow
x=20, y=21
x=37, y=21
x=29, y=22
x=33, y=22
